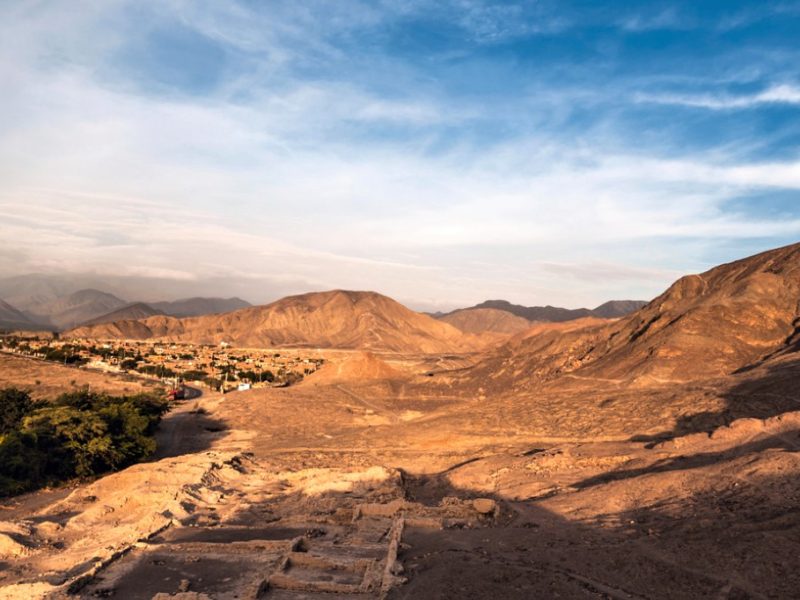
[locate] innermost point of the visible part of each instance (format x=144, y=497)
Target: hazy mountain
x=550, y=314
x=486, y=320
x=11, y=318
x=194, y=307
x=137, y=310
x=27, y=292
x=76, y=308
x=618, y=308
x=336, y=319
x=44, y=298
x=554, y=314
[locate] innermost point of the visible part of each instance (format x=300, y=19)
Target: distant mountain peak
x=11, y=318
x=199, y=305
x=555, y=314
x=136, y=310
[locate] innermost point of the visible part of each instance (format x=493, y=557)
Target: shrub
x=195, y=375
x=128, y=364
x=15, y=404
x=81, y=434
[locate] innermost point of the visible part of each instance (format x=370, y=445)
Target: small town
x=222, y=367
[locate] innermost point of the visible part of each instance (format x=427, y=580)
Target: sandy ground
x=46, y=380
x=403, y=489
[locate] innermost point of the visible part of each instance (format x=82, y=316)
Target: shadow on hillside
x=789, y=440
x=696, y=547
x=187, y=432
x=759, y=393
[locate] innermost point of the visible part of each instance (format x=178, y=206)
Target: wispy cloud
x=339, y=146
x=778, y=94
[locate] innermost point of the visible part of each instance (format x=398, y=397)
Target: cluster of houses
x=221, y=367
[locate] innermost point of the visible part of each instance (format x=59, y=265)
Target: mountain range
x=44, y=309
x=335, y=319
x=555, y=314
x=714, y=323
x=500, y=317
x=11, y=318
x=731, y=318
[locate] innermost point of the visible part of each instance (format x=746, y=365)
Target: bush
x=81, y=434
x=128, y=364
x=15, y=404
x=158, y=370
x=213, y=382
x=195, y=375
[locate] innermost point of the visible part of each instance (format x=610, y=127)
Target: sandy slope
x=47, y=380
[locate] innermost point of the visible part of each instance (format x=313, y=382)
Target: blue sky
x=439, y=152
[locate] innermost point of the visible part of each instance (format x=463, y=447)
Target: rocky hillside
x=703, y=326
x=336, y=319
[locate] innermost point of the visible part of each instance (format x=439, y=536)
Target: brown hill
x=360, y=366
x=703, y=326
x=618, y=308
x=539, y=329
x=486, y=320
x=137, y=310
x=336, y=319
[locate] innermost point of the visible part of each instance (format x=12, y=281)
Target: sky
x=442, y=152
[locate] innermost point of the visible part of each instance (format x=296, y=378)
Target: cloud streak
x=778, y=94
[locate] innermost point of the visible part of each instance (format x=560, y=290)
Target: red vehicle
x=177, y=393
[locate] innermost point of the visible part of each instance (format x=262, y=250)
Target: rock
x=48, y=529
x=485, y=506
x=9, y=547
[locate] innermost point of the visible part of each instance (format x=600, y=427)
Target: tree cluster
x=80, y=434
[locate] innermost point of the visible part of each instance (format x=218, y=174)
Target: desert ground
x=393, y=488
x=46, y=380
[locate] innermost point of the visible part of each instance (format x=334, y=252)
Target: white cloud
x=778, y=94
x=279, y=185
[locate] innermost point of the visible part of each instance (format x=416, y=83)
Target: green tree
x=80, y=434
x=15, y=404
x=195, y=375
x=128, y=364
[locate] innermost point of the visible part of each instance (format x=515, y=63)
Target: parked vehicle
x=177, y=392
